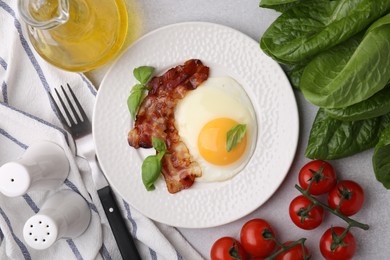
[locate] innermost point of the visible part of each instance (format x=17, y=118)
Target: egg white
x=217, y=97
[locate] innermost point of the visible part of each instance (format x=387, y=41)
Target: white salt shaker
x=44, y=166
x=64, y=215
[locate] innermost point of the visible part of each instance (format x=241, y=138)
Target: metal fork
x=81, y=130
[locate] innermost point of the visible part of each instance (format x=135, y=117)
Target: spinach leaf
x=332, y=139
x=377, y=105
x=350, y=72
x=278, y=5
x=294, y=73
x=310, y=27
x=381, y=159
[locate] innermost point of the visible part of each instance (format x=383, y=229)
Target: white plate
x=226, y=52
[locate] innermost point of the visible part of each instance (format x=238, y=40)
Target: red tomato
x=304, y=214
x=227, y=248
x=341, y=252
x=294, y=253
x=322, y=172
x=353, y=197
x=252, y=238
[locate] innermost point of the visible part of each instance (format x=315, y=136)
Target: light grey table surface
x=247, y=17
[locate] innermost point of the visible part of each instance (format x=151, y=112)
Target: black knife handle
x=122, y=236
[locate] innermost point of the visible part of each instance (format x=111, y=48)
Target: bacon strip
x=155, y=118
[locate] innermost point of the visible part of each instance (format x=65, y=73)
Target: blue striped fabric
x=3, y=63
x=1, y=236
x=35, y=208
x=28, y=51
x=75, y=189
x=5, y=102
x=16, y=98
x=20, y=244
x=4, y=92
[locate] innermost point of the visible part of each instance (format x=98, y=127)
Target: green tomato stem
x=351, y=222
x=288, y=247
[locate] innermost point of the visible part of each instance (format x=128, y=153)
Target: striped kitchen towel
x=27, y=116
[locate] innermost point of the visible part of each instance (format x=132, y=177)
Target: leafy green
x=151, y=166
x=332, y=139
x=294, y=73
x=159, y=144
x=143, y=75
x=350, y=72
x=381, y=158
x=135, y=98
x=278, y=5
x=377, y=105
x=310, y=27
x=234, y=136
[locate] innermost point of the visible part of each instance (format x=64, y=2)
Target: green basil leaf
x=377, y=105
x=381, y=158
x=234, y=136
x=160, y=155
x=350, y=72
x=332, y=139
x=151, y=168
x=143, y=74
x=138, y=87
x=134, y=101
x=159, y=144
x=310, y=27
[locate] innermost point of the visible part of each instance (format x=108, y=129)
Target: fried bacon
x=155, y=118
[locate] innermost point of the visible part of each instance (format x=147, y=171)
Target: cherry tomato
x=323, y=174
x=253, y=240
x=304, y=214
x=344, y=251
x=353, y=197
x=227, y=248
x=294, y=253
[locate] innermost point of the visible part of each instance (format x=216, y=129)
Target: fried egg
x=203, y=118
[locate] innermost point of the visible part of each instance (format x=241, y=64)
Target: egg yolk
x=212, y=142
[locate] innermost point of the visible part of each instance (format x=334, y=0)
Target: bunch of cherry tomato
x=258, y=241
x=345, y=198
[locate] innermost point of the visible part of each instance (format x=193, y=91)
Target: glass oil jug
x=75, y=35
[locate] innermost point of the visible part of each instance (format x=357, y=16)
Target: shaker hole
x=48, y=233
x=30, y=234
x=31, y=225
x=36, y=239
x=44, y=240
x=12, y=180
x=47, y=226
x=40, y=222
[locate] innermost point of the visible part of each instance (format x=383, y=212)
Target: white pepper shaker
x=44, y=166
x=64, y=215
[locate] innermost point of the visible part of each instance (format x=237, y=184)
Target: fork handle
x=122, y=236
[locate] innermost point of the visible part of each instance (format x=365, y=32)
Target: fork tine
x=82, y=112
x=70, y=118
x=76, y=115
x=62, y=118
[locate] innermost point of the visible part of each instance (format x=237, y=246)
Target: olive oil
x=93, y=33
